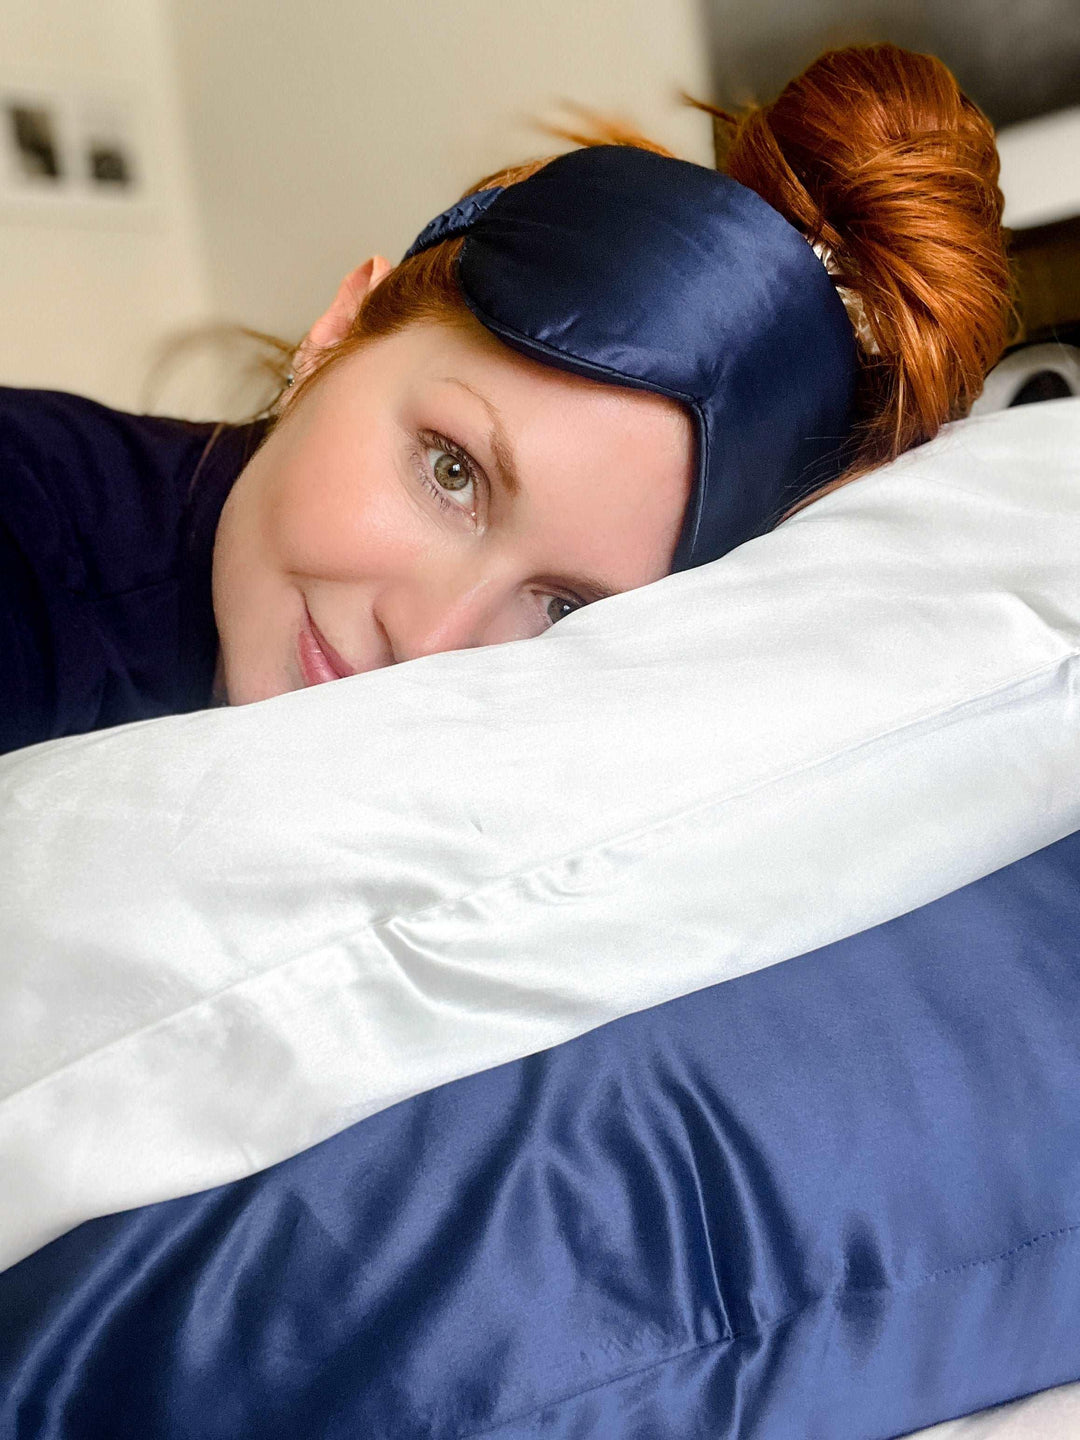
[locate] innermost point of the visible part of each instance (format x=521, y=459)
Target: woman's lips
x=319, y=661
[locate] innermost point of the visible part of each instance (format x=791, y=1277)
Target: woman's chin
x=243, y=687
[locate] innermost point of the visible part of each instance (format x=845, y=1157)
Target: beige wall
x=284, y=143
x=1040, y=169
x=88, y=293
x=323, y=133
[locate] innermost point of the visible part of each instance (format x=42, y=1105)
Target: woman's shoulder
x=96, y=493
x=64, y=407
x=107, y=523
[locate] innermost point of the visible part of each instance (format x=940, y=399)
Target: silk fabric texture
x=228, y=935
x=830, y=1200
x=643, y=270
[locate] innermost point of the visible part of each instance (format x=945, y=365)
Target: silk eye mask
x=655, y=273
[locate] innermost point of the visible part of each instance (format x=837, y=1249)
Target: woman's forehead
x=601, y=474
x=472, y=356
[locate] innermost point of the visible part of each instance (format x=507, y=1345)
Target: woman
x=589, y=372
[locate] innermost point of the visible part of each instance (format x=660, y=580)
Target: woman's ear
x=334, y=324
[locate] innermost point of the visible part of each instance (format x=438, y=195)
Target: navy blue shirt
x=107, y=524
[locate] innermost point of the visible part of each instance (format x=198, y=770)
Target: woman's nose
x=430, y=616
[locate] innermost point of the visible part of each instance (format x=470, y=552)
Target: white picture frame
x=72, y=153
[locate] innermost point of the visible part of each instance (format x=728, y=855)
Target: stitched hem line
x=374, y=928
x=832, y=1297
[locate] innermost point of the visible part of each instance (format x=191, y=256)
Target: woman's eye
x=553, y=606
x=452, y=473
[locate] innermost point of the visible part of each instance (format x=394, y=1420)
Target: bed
x=711, y=1072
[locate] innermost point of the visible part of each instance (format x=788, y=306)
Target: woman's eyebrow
x=500, y=446
x=592, y=588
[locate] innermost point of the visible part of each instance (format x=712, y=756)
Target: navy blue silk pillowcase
x=836, y=1198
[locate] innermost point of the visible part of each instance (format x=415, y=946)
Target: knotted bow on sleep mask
x=659, y=274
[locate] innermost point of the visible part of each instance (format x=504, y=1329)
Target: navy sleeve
x=106, y=535
x=27, y=679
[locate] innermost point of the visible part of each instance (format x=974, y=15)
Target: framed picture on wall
x=106, y=151
x=35, y=149
x=69, y=150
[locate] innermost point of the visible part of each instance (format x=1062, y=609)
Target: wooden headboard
x=1046, y=264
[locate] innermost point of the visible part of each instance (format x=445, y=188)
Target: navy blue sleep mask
x=659, y=274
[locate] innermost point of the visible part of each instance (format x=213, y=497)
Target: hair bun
x=876, y=154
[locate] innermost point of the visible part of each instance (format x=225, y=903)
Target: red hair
x=875, y=152
x=878, y=153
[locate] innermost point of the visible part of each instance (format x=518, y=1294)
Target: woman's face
x=435, y=491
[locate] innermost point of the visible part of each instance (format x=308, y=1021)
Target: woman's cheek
x=346, y=530
x=311, y=523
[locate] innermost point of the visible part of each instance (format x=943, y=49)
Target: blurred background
x=170, y=169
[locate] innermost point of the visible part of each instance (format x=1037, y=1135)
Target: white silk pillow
x=227, y=935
